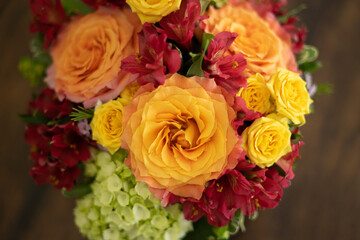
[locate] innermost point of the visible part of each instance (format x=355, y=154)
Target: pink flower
x=180, y=25
x=155, y=60
x=227, y=71
x=48, y=18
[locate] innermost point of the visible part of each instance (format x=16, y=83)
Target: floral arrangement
x=167, y=119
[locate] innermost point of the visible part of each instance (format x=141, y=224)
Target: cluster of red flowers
x=56, y=149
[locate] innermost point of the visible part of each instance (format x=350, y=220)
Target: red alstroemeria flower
x=55, y=173
x=247, y=187
x=226, y=70
x=38, y=138
x=48, y=104
x=56, y=151
x=180, y=25
x=69, y=146
x=221, y=199
x=155, y=60
x=98, y=3
x=48, y=17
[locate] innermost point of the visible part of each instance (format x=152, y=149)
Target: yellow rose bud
x=257, y=95
x=291, y=97
x=152, y=11
x=107, y=125
x=267, y=140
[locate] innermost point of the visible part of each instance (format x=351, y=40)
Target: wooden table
x=324, y=199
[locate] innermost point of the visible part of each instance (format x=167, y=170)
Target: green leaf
x=35, y=119
x=40, y=54
x=206, y=38
x=237, y=223
x=295, y=11
x=76, y=7
x=325, y=88
x=77, y=191
x=296, y=136
x=308, y=54
x=292, y=125
x=202, y=230
x=254, y=216
x=222, y=232
x=310, y=66
x=280, y=170
x=198, y=58
x=81, y=113
x=204, y=5
x=60, y=121
x=196, y=68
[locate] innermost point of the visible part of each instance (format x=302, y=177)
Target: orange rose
x=88, y=54
x=261, y=41
x=180, y=136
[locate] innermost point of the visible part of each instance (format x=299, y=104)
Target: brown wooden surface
x=324, y=199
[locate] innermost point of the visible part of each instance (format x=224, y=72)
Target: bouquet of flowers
x=167, y=119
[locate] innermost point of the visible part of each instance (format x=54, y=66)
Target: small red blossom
x=48, y=17
x=50, y=106
x=58, y=175
x=98, y=3
x=155, y=60
x=180, y=25
x=227, y=71
x=69, y=146
x=56, y=151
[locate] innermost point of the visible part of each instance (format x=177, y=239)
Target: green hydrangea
x=121, y=208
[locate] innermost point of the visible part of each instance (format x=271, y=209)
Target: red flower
x=56, y=151
x=68, y=146
x=98, y=3
x=247, y=187
x=56, y=174
x=48, y=17
x=48, y=104
x=180, y=25
x=227, y=71
x=155, y=60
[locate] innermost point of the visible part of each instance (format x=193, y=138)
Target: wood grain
x=324, y=199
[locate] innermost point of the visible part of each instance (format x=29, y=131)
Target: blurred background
x=324, y=199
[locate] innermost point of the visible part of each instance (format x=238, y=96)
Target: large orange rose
x=88, y=54
x=260, y=40
x=180, y=136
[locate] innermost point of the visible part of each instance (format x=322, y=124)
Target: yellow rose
x=267, y=140
x=257, y=95
x=179, y=135
x=291, y=97
x=107, y=126
x=152, y=11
